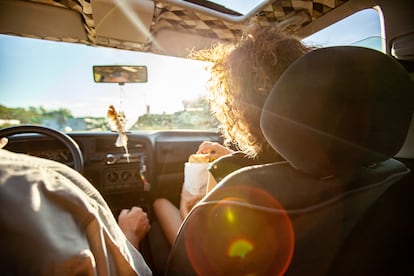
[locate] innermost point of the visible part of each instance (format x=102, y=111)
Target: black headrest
x=339, y=107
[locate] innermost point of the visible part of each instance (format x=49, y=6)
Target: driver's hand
x=134, y=223
x=3, y=142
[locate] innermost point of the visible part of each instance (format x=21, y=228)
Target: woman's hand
x=134, y=223
x=214, y=149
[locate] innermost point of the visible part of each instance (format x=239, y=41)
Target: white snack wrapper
x=196, y=177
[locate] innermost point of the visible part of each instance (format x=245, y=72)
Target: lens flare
x=230, y=216
x=243, y=232
x=240, y=248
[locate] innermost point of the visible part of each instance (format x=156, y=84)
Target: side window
x=363, y=28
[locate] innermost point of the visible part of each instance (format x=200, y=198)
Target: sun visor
x=123, y=23
x=178, y=44
x=67, y=24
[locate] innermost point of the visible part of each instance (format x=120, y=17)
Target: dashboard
x=153, y=169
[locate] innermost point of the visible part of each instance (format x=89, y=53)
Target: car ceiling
x=145, y=25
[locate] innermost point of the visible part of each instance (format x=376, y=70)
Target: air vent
x=107, y=144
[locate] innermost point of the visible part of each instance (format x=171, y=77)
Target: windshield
x=54, y=84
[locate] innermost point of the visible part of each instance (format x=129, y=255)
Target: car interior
x=341, y=202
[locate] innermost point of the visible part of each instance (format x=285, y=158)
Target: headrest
x=337, y=108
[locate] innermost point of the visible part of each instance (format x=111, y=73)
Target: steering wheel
x=62, y=137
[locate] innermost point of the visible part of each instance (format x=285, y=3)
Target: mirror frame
x=120, y=73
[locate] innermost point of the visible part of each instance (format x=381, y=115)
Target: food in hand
x=201, y=158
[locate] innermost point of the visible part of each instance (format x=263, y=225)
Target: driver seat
x=337, y=115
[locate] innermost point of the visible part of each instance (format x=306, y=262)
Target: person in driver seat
x=242, y=75
x=54, y=222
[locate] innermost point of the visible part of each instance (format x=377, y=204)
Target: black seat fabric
x=337, y=116
x=338, y=108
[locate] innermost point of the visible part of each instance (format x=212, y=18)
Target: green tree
x=33, y=115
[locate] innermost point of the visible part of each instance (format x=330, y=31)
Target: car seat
x=337, y=115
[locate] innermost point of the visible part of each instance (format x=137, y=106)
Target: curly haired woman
x=242, y=75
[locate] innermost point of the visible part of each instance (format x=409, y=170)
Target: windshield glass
x=52, y=84
x=362, y=28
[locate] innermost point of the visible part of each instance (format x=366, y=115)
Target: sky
x=64, y=78
x=65, y=75
x=241, y=6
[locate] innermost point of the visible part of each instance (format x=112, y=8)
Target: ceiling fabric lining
x=178, y=19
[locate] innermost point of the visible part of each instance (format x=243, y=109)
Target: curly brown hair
x=242, y=76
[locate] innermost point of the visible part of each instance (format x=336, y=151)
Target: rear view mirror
x=120, y=73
